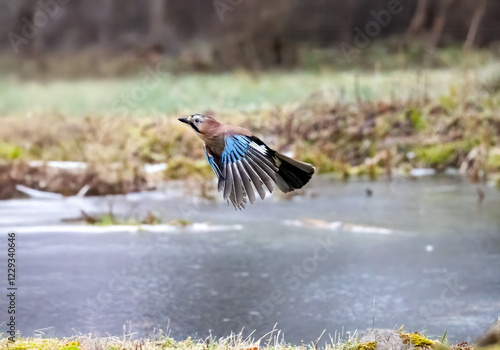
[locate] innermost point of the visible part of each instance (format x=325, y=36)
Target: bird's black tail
x=292, y=174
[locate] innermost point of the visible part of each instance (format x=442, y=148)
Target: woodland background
x=229, y=33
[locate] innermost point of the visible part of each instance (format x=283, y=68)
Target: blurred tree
x=476, y=20
x=254, y=33
x=438, y=13
x=439, y=22
x=419, y=17
x=348, y=10
x=24, y=27
x=105, y=23
x=157, y=25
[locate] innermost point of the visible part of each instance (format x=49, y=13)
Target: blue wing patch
x=235, y=148
x=245, y=163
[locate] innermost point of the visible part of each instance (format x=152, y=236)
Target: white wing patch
x=259, y=148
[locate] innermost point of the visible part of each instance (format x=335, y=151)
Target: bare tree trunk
x=439, y=22
x=419, y=17
x=346, y=25
x=105, y=23
x=476, y=21
x=157, y=19
x=24, y=19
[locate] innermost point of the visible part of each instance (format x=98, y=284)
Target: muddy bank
x=66, y=182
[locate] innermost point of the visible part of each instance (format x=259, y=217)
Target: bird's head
x=199, y=122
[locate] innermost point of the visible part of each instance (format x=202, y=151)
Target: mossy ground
x=417, y=340
x=41, y=344
x=235, y=342
x=367, y=346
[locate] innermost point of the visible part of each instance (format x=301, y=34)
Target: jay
x=241, y=160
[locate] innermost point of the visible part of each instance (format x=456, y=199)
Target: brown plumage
x=243, y=162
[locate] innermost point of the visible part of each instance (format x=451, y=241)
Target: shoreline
x=380, y=339
x=105, y=155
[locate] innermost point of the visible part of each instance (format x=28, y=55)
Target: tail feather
x=292, y=174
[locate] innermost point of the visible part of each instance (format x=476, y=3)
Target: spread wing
x=246, y=163
x=213, y=163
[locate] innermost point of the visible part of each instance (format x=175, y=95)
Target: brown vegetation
x=363, y=139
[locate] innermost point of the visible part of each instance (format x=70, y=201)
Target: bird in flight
x=241, y=160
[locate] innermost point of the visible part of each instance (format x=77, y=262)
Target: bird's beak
x=184, y=120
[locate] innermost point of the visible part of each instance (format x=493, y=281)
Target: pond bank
x=109, y=155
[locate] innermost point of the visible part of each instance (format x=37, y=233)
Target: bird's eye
x=197, y=120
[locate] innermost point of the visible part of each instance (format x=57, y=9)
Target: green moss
x=10, y=152
x=416, y=118
x=106, y=220
x=416, y=339
x=494, y=161
x=44, y=344
x=436, y=155
x=74, y=345
x=449, y=102
x=111, y=220
x=367, y=346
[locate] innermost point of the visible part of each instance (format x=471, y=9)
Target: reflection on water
x=424, y=251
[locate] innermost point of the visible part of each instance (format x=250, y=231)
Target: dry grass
x=361, y=139
x=274, y=340
x=114, y=150
x=351, y=136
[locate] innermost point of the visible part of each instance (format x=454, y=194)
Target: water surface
x=424, y=251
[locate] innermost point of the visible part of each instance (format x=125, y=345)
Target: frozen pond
x=424, y=251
